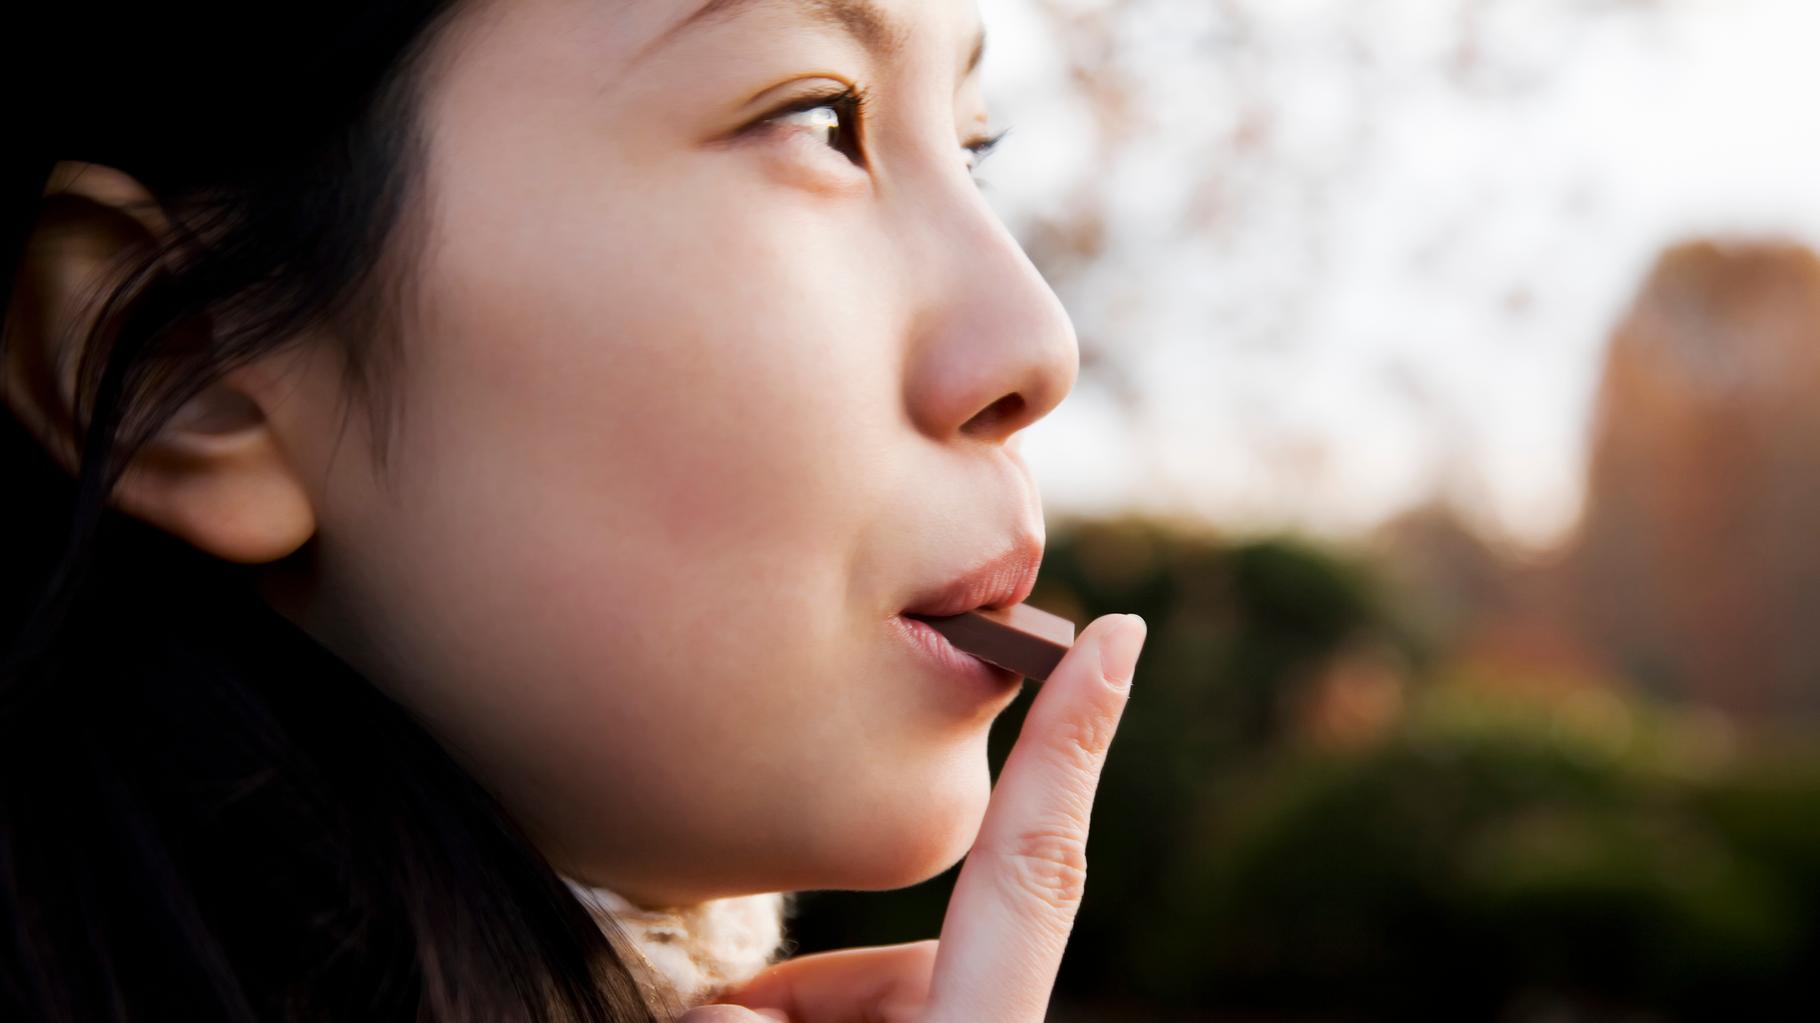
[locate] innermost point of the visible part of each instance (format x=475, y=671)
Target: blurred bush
x=1467, y=866
x=1311, y=810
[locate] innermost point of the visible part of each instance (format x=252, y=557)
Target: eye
x=978, y=149
x=836, y=121
x=833, y=120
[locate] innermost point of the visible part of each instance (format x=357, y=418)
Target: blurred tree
x=1491, y=858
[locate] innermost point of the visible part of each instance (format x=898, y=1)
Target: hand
x=1015, y=901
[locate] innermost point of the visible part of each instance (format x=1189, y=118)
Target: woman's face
x=696, y=395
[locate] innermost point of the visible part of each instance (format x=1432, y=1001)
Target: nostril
x=991, y=420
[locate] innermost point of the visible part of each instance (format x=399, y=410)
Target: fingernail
x=1119, y=651
x=774, y=1014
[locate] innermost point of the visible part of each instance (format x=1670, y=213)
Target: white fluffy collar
x=699, y=951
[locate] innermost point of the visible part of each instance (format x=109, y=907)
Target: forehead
x=885, y=27
x=627, y=48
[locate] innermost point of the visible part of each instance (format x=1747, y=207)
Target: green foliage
x=1453, y=871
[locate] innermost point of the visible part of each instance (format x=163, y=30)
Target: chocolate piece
x=1020, y=638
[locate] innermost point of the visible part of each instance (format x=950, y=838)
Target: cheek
x=630, y=440
x=697, y=418
x=659, y=364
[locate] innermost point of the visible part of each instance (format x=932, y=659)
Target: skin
x=691, y=405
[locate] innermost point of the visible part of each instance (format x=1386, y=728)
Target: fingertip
x=1120, y=647
x=1105, y=625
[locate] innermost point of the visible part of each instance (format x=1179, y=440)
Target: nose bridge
x=996, y=350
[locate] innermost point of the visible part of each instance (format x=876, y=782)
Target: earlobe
x=217, y=477
x=217, y=474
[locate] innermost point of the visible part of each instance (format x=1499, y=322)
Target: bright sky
x=1414, y=268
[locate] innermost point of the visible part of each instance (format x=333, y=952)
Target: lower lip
x=933, y=647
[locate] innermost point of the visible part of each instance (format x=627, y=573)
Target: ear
x=216, y=475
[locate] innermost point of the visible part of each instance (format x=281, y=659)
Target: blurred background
x=1450, y=408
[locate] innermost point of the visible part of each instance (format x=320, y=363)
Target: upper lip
x=1000, y=582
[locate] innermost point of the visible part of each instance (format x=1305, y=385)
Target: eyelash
x=851, y=105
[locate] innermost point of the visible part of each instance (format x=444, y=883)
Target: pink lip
x=933, y=647
x=1004, y=580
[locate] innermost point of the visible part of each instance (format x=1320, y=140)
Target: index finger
x=1015, y=901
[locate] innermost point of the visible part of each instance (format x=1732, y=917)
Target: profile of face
x=712, y=369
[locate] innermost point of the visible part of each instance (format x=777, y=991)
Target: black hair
x=204, y=814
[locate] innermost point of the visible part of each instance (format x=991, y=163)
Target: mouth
x=1000, y=581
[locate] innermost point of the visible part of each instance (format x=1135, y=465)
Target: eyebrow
x=880, y=34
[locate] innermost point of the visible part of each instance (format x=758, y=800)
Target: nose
x=996, y=351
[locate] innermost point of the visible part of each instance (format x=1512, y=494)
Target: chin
x=912, y=840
